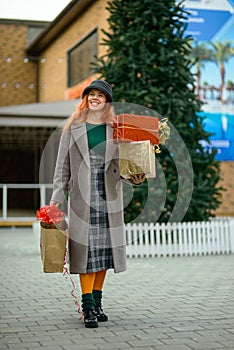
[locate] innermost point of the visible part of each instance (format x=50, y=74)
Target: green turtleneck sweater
x=97, y=137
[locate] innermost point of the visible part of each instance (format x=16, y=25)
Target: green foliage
x=222, y=51
x=148, y=62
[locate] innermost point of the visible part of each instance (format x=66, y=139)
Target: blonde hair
x=81, y=112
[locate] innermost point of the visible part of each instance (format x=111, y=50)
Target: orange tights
x=91, y=281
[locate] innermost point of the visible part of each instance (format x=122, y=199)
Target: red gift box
x=131, y=127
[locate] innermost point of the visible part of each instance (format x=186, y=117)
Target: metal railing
x=42, y=188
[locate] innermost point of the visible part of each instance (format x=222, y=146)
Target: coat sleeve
x=62, y=170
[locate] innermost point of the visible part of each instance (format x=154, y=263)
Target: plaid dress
x=99, y=250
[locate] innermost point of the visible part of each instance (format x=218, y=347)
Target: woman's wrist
x=54, y=203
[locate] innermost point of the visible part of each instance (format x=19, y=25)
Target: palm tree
x=230, y=88
x=200, y=53
x=212, y=91
x=205, y=88
x=222, y=52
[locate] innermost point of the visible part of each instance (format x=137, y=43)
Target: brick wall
x=17, y=73
x=53, y=68
x=227, y=206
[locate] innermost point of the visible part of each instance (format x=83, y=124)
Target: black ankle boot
x=97, y=294
x=90, y=318
x=100, y=314
x=88, y=307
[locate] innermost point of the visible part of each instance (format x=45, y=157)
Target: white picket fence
x=175, y=239
x=180, y=239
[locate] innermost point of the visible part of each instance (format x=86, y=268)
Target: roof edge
x=63, y=20
x=23, y=22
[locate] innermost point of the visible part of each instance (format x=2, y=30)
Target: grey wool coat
x=72, y=173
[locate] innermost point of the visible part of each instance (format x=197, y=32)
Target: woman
x=88, y=167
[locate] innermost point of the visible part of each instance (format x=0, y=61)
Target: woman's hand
x=138, y=179
x=55, y=203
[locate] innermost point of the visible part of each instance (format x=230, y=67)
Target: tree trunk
x=198, y=82
x=222, y=74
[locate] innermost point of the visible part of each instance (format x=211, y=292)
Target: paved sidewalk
x=158, y=303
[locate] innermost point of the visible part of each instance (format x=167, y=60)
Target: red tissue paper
x=50, y=215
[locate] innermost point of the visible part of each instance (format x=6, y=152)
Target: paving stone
x=173, y=347
x=57, y=347
x=209, y=345
x=145, y=342
x=227, y=344
x=76, y=347
x=32, y=345
x=111, y=346
x=30, y=338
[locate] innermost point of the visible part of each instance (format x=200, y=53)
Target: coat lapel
x=79, y=134
x=111, y=147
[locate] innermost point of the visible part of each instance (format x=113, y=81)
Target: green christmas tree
x=148, y=63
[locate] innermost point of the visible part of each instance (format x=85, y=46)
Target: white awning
x=50, y=114
x=31, y=122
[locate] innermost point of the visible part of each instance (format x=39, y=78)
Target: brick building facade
x=227, y=206
x=54, y=66
x=18, y=71
x=53, y=49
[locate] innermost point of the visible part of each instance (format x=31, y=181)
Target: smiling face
x=96, y=100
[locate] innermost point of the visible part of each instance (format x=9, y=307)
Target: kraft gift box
x=137, y=157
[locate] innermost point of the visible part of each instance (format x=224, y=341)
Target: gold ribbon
x=133, y=128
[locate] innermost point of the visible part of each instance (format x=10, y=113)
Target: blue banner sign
x=222, y=127
x=213, y=21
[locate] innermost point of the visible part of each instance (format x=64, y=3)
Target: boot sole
x=102, y=319
x=91, y=325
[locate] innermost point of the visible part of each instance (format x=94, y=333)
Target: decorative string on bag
x=67, y=274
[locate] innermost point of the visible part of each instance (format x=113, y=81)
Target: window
x=80, y=57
